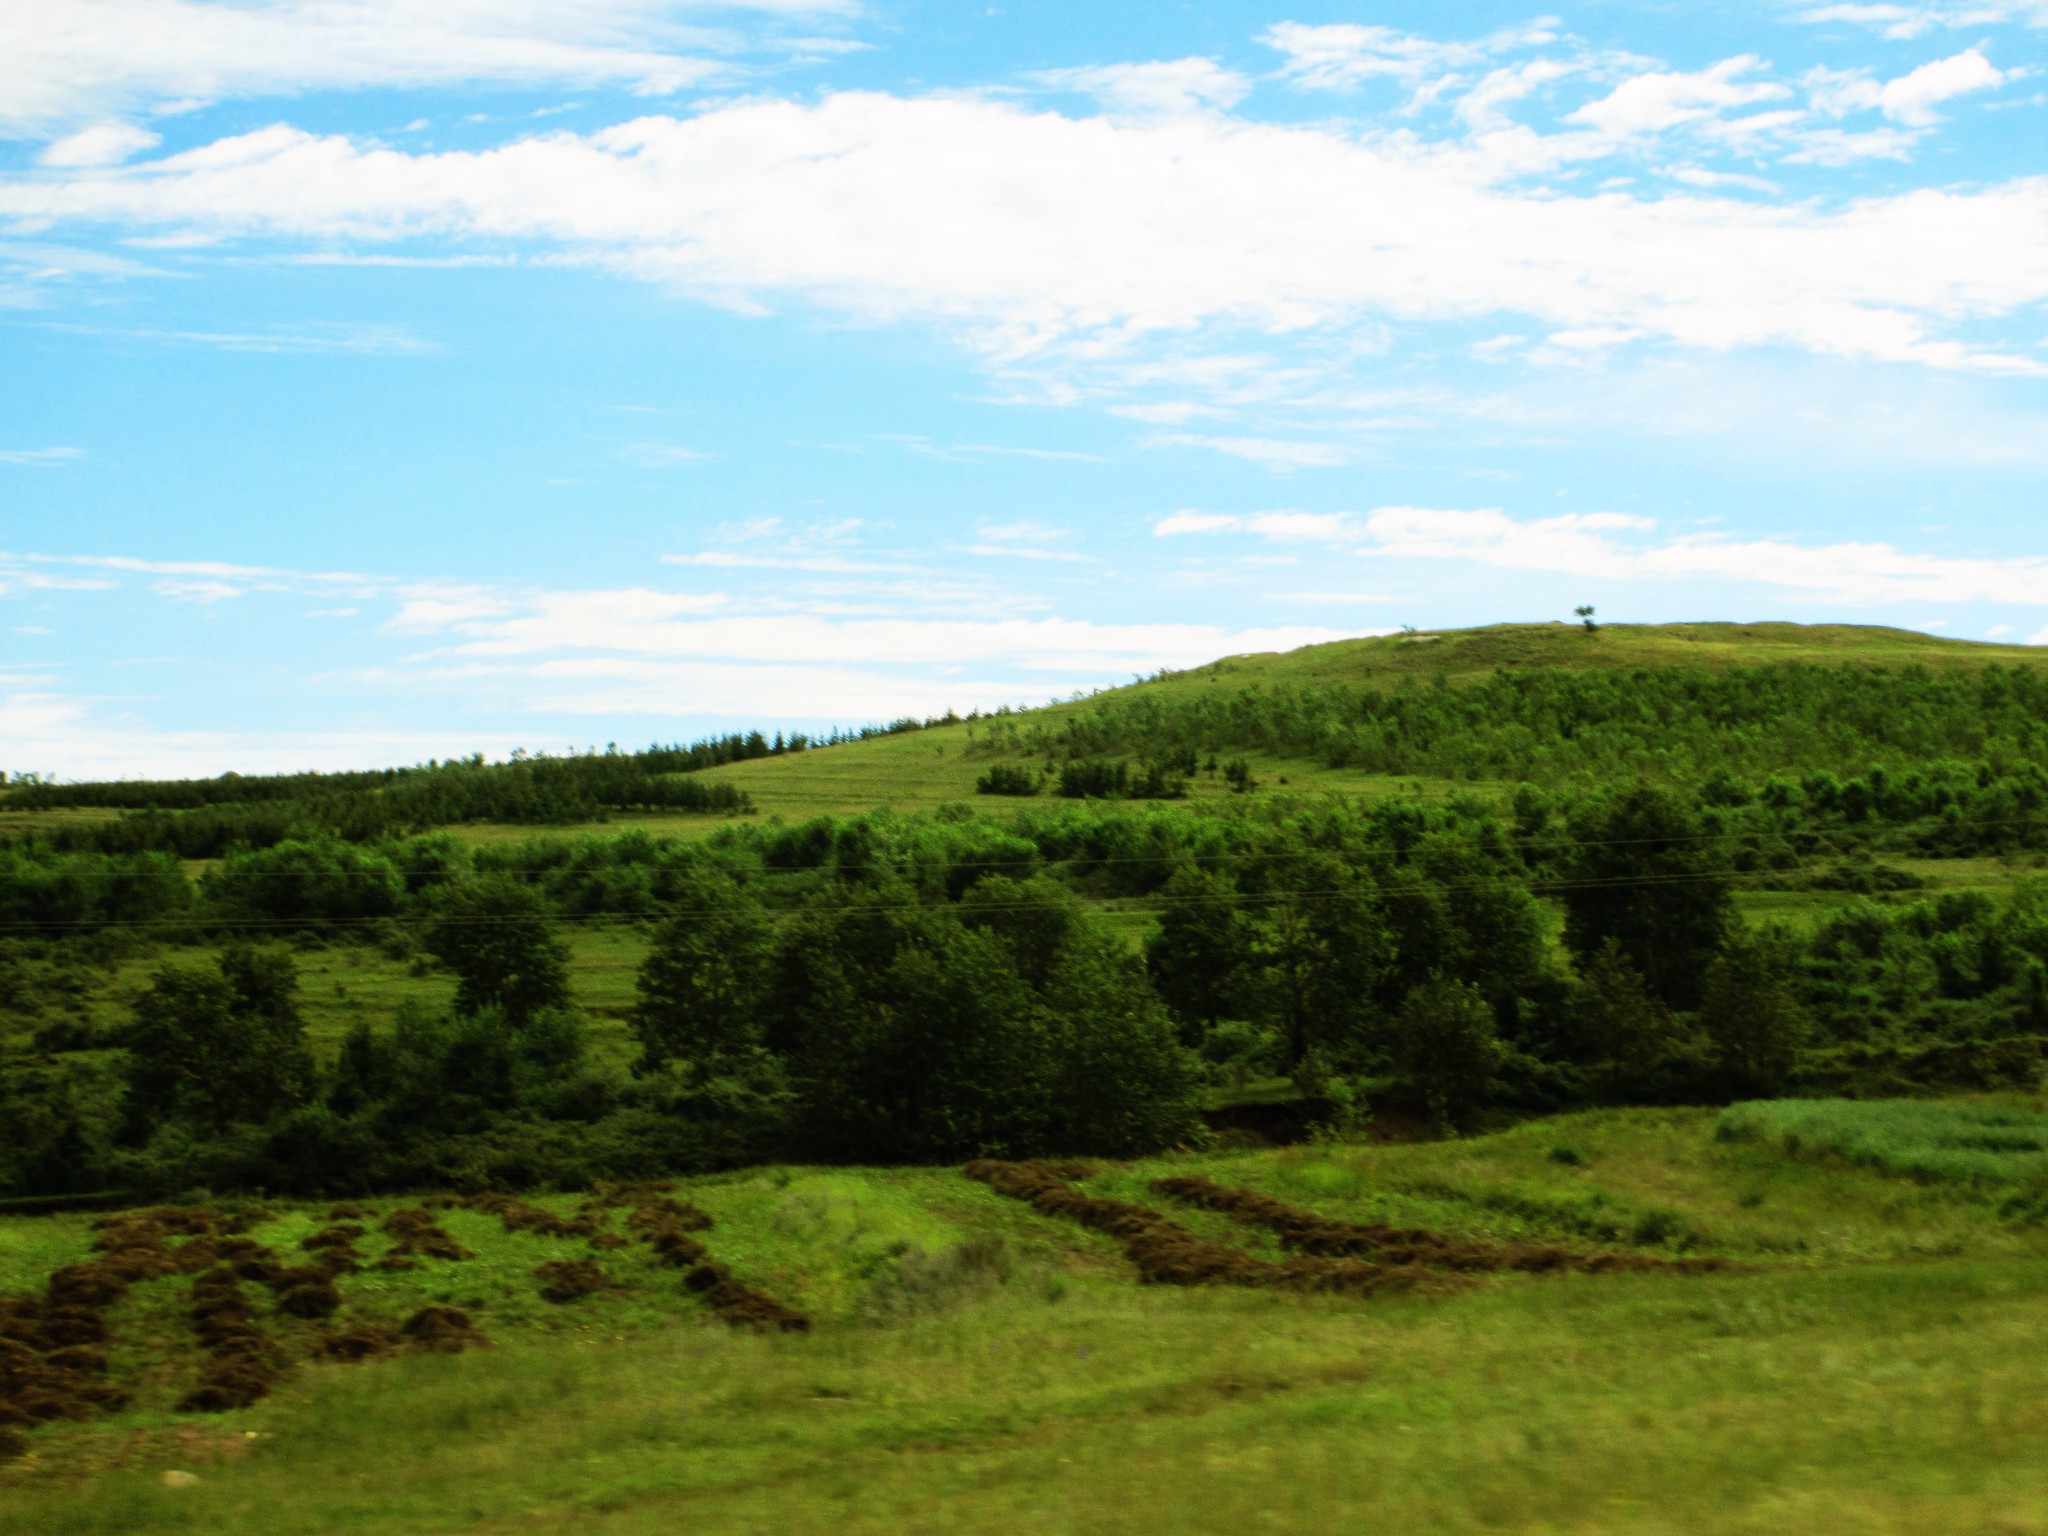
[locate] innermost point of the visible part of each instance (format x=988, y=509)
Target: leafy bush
x=1007, y=779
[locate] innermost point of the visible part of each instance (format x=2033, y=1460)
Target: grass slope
x=1875, y=1369
x=922, y=769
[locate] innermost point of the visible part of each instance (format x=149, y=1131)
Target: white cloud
x=968, y=212
x=67, y=61
x=74, y=738
x=1177, y=85
x=1589, y=544
x=1480, y=108
x=347, y=337
x=1344, y=55
x=106, y=143
x=1903, y=22
x=1651, y=103
x=661, y=455
x=1275, y=453
x=40, y=458
x=669, y=625
x=190, y=591
x=1911, y=99
x=1175, y=523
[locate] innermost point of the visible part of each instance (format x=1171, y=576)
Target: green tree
x=1457, y=911
x=217, y=1045
x=1645, y=874
x=701, y=987
x=1035, y=918
x=1751, y=1013
x=1198, y=958
x=1322, y=950
x=1444, y=1043
x=1121, y=1082
x=1617, y=1026
x=494, y=934
x=909, y=1037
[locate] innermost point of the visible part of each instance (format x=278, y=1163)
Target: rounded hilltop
x=1488, y=648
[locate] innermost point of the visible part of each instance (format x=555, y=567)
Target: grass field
x=1873, y=1366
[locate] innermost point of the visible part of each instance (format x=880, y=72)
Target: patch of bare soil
x=569, y=1279
x=1166, y=1253
x=1303, y=1231
x=420, y=1235
x=665, y=1225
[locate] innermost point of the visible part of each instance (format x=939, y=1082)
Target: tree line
x=929, y=988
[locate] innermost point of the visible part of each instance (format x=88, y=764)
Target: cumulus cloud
x=63, y=62
x=1912, y=98
x=1592, y=545
x=1650, y=103
x=102, y=144
x=967, y=212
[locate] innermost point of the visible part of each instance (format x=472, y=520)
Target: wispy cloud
x=1616, y=546
x=65, y=62
x=662, y=455
x=347, y=337
x=1273, y=452
x=41, y=458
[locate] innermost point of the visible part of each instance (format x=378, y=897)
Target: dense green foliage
x=1556, y=726
x=897, y=987
x=205, y=818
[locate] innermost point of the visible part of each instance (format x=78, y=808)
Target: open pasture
x=1863, y=1357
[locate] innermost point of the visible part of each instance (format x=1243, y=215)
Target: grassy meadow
x=1871, y=1364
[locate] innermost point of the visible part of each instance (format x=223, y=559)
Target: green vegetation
x=1550, y=896
x=1981, y=1144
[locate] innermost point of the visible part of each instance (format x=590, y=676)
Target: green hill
x=921, y=769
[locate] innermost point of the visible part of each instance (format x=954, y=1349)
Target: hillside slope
x=921, y=769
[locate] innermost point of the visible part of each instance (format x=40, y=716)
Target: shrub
x=1005, y=779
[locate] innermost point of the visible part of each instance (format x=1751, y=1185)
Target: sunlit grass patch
x=1985, y=1144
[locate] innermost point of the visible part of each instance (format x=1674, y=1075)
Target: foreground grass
x=1885, y=1399
x=1876, y=1368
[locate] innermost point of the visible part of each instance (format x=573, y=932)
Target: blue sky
x=389, y=379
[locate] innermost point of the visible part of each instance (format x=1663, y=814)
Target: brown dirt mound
x=307, y=1292
x=342, y=1236
x=568, y=1279
x=1304, y=1231
x=736, y=1302
x=420, y=1235
x=610, y=1241
x=350, y=1212
x=518, y=1216
x=242, y=1364
x=665, y=1225
x=51, y=1361
x=449, y=1330
x=1166, y=1253
x=366, y=1341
